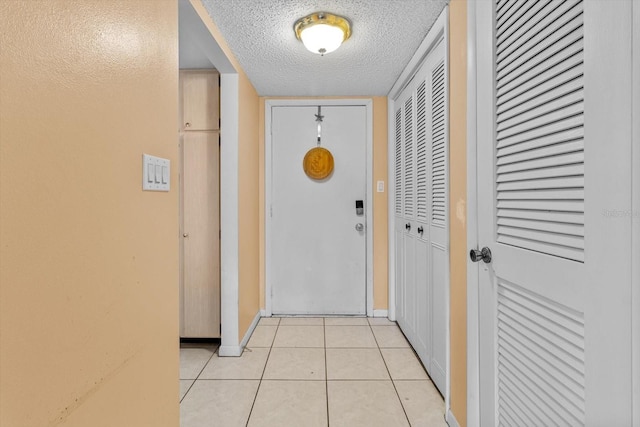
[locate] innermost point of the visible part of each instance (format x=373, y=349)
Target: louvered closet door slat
x=421, y=153
x=554, y=194
x=524, y=60
x=409, y=147
x=544, y=80
x=545, y=31
x=565, y=81
x=398, y=162
x=545, y=151
x=540, y=117
x=551, y=217
x=544, y=360
x=571, y=123
x=541, y=351
x=564, y=100
x=543, y=205
x=543, y=69
x=542, y=184
x=438, y=147
x=549, y=117
x=564, y=136
x=541, y=381
x=566, y=374
x=504, y=6
x=542, y=163
x=518, y=20
x=556, y=172
x=522, y=398
x=533, y=28
x=516, y=8
x=551, y=227
x=565, y=240
x=510, y=110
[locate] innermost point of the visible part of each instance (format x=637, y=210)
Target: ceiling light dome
x=322, y=32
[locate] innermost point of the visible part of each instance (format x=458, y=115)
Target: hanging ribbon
x=319, y=118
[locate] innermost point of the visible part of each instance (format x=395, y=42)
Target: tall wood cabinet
x=199, y=129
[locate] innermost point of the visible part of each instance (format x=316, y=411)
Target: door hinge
x=271, y=211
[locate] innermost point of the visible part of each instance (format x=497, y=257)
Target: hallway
x=333, y=371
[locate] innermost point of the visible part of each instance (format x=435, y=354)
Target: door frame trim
x=473, y=269
x=635, y=209
x=368, y=104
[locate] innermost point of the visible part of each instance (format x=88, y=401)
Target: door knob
x=185, y=235
x=420, y=230
x=407, y=226
x=359, y=226
x=478, y=255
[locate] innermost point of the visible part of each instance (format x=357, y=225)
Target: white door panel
x=554, y=148
x=317, y=256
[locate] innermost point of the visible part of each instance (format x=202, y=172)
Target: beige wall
x=380, y=249
x=89, y=262
x=249, y=209
x=458, y=210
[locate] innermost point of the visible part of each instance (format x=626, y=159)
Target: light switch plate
x=154, y=177
x=380, y=186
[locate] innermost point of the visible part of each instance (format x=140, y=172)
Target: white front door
x=554, y=165
x=317, y=256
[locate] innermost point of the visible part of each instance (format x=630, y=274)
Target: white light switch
x=165, y=174
x=380, y=186
x=151, y=172
x=156, y=173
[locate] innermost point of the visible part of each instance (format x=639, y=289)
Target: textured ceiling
x=386, y=34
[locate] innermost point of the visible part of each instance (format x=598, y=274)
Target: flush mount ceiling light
x=322, y=32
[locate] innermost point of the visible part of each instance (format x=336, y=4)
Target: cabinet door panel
x=201, y=243
x=200, y=100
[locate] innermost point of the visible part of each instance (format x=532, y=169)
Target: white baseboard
x=451, y=419
x=380, y=313
x=236, y=350
x=229, y=351
x=263, y=312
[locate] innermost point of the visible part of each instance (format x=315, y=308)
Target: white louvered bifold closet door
x=421, y=236
x=539, y=296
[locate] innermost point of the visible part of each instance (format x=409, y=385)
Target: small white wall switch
x=380, y=186
x=156, y=173
x=165, y=174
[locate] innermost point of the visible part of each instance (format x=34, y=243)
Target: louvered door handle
x=407, y=226
x=480, y=255
x=420, y=230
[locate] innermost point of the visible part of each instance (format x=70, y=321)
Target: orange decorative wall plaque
x=318, y=163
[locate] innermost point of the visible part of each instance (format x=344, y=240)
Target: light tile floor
x=335, y=371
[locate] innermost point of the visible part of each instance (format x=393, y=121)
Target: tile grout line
x=199, y=373
x=264, y=369
x=393, y=383
x=326, y=368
